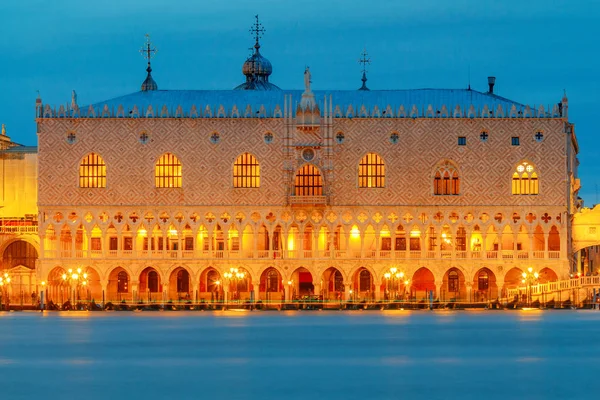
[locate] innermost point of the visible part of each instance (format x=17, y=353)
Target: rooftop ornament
x=364, y=61
x=148, y=51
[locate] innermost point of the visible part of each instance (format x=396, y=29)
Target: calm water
x=300, y=355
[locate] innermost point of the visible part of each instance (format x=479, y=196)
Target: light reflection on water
x=288, y=355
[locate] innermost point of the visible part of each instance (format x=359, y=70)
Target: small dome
x=149, y=84
x=257, y=65
x=257, y=70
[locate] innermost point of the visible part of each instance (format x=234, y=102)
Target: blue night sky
x=535, y=48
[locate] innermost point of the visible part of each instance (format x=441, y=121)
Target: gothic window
x=308, y=181
x=484, y=136
x=514, y=141
x=483, y=281
x=446, y=181
x=246, y=172
x=453, y=281
x=371, y=172
x=268, y=137
x=215, y=138
x=394, y=138
x=144, y=138
x=153, y=281
x=92, y=172
x=364, y=283
x=168, y=172
x=462, y=140
x=122, y=282
x=525, y=180
x=339, y=137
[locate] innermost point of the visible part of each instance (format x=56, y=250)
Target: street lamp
x=393, y=278
x=236, y=276
x=4, y=282
x=290, y=283
x=218, y=283
x=529, y=278
x=75, y=279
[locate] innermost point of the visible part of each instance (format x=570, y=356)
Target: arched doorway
x=453, y=287
x=118, y=288
x=423, y=282
x=271, y=286
x=363, y=285
x=179, y=285
x=19, y=261
x=333, y=284
x=301, y=284
x=547, y=275
x=484, y=285
x=211, y=285
x=513, y=279
x=150, y=285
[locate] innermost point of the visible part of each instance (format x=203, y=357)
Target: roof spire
x=148, y=51
x=257, y=31
x=364, y=61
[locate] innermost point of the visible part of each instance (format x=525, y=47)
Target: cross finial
x=148, y=51
x=364, y=60
x=257, y=31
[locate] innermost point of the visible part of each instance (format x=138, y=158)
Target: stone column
x=347, y=287
x=439, y=286
x=317, y=288
x=546, y=236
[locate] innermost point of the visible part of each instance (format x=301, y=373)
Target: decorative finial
x=307, y=80
x=257, y=31
x=364, y=60
x=148, y=51
x=3, y=130
x=73, y=100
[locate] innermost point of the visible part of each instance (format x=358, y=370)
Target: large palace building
x=267, y=194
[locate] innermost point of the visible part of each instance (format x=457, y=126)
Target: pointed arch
x=246, y=172
x=525, y=179
x=371, y=171
x=92, y=171
x=167, y=171
x=446, y=179
x=308, y=181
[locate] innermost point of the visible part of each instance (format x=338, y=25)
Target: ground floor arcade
x=277, y=281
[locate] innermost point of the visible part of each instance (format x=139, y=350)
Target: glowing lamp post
x=4, y=285
x=393, y=278
x=74, y=280
x=236, y=276
x=529, y=278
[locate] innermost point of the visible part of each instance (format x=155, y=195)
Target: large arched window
x=308, y=181
x=525, y=179
x=246, y=172
x=446, y=181
x=371, y=171
x=92, y=172
x=18, y=253
x=168, y=171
